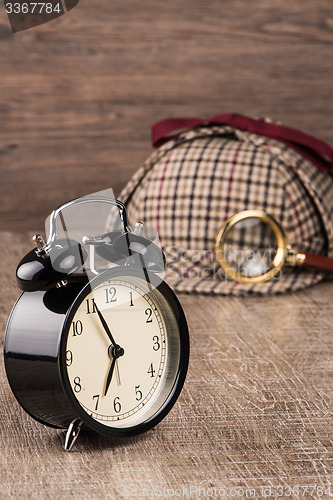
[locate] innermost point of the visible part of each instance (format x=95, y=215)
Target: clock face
x=122, y=352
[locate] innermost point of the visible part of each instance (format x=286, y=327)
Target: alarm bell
x=41, y=269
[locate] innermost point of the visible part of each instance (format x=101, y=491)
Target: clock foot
x=72, y=434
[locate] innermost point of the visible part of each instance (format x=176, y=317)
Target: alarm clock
x=97, y=339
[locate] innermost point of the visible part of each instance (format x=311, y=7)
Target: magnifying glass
x=251, y=247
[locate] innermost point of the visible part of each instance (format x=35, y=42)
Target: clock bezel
x=184, y=348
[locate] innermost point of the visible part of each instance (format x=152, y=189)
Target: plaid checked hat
x=208, y=171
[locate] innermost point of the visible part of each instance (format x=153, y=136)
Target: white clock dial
x=122, y=376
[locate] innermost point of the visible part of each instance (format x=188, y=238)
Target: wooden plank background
x=78, y=95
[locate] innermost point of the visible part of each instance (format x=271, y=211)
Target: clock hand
x=108, y=380
x=105, y=326
x=118, y=373
x=115, y=352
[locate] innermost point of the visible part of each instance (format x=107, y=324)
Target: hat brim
x=289, y=280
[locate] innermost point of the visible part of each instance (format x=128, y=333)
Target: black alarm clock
x=97, y=338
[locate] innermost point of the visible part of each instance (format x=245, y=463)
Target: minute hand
x=105, y=326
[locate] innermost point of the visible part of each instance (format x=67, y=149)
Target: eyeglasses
x=251, y=247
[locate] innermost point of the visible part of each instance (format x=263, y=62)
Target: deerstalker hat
x=205, y=171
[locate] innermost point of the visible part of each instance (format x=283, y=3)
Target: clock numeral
x=69, y=358
x=148, y=313
x=116, y=405
x=156, y=344
x=131, y=297
x=97, y=400
x=77, y=384
x=91, y=306
x=151, y=370
x=138, y=393
x=77, y=327
x=110, y=295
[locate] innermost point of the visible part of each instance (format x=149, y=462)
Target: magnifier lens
x=250, y=247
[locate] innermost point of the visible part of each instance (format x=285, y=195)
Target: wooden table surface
x=77, y=99
x=255, y=414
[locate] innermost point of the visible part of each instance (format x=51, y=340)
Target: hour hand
x=115, y=352
x=108, y=380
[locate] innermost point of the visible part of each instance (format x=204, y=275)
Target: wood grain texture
x=256, y=409
x=78, y=95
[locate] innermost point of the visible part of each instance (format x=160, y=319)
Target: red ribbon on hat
x=315, y=150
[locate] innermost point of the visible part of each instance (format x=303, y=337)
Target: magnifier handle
x=318, y=262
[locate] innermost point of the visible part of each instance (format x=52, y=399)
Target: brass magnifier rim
x=278, y=260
